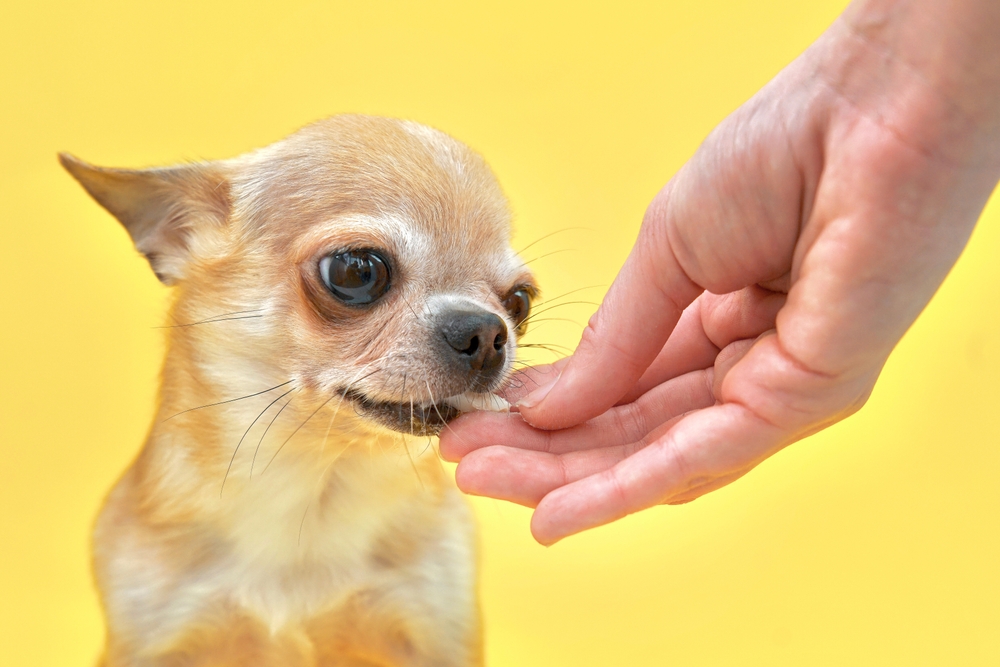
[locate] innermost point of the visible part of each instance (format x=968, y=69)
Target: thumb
x=625, y=334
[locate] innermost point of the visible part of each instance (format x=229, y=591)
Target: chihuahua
x=340, y=296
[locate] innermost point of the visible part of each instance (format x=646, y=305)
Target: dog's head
x=361, y=259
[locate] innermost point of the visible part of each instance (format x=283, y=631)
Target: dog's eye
x=356, y=277
x=518, y=305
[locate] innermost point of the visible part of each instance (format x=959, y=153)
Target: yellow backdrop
x=876, y=542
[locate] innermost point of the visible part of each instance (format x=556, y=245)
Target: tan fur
x=322, y=539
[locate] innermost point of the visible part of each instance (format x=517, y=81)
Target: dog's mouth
x=424, y=418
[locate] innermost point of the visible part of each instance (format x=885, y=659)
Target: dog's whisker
x=434, y=402
x=572, y=291
x=235, y=312
x=411, y=415
x=548, y=254
x=271, y=423
x=231, y=400
x=329, y=425
x=213, y=317
x=552, y=345
x=408, y=305
x=551, y=234
x=413, y=464
x=560, y=305
x=230, y=466
x=533, y=330
x=558, y=319
x=385, y=383
x=443, y=420
x=548, y=346
x=211, y=321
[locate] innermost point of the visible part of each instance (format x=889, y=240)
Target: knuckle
x=630, y=422
x=562, y=471
x=618, y=489
x=675, y=459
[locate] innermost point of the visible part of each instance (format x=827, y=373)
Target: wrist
x=929, y=70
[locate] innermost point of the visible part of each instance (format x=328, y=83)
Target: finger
x=696, y=451
x=526, y=380
x=726, y=360
x=687, y=349
x=708, y=325
x=525, y=477
x=618, y=426
x=640, y=310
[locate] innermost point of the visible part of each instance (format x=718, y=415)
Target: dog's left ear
x=162, y=209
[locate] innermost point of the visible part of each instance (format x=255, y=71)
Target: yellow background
x=876, y=542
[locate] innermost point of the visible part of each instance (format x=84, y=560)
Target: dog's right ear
x=160, y=208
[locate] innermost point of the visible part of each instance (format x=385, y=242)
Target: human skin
x=771, y=278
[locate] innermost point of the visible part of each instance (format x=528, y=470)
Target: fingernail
x=535, y=397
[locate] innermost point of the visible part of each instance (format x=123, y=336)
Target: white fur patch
x=470, y=402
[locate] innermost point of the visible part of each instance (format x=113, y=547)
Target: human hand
x=771, y=278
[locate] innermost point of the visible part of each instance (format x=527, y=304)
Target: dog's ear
x=162, y=209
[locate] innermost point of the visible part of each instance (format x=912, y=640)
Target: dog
x=339, y=297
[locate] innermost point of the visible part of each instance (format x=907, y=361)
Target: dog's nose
x=476, y=339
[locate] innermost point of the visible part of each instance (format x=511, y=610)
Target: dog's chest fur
x=286, y=552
